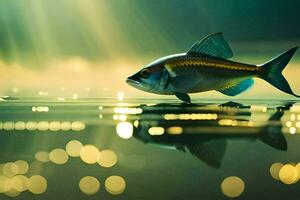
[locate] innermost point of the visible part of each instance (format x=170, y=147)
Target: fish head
x=147, y=79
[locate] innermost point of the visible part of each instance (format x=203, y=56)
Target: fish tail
x=272, y=71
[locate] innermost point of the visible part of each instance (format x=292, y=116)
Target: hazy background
x=88, y=47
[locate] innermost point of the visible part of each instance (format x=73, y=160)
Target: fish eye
x=145, y=73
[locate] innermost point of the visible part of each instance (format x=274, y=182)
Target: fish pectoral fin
x=273, y=137
x=183, y=97
x=180, y=148
x=237, y=88
x=213, y=45
x=210, y=152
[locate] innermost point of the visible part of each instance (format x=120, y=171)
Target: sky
x=85, y=39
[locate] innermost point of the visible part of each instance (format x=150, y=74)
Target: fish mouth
x=134, y=83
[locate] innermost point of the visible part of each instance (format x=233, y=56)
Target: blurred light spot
x=10, y=169
x=264, y=109
x=75, y=96
x=54, y=126
x=292, y=130
x=292, y=117
x=22, y=166
x=20, y=183
x=12, y=193
x=66, y=126
x=107, y=158
x=42, y=156
x=120, y=96
x=126, y=110
x=232, y=186
x=61, y=98
x=288, y=174
x=31, y=126
x=15, y=90
x=288, y=123
x=43, y=126
x=136, y=123
x=37, y=184
x=4, y=184
x=298, y=124
x=298, y=170
x=78, y=126
x=115, y=117
x=193, y=116
x=8, y=126
x=258, y=108
x=122, y=117
x=58, y=156
x=274, y=170
x=156, y=131
x=230, y=122
x=100, y=107
x=115, y=185
x=175, y=130
x=89, y=154
x=73, y=148
x=40, y=109
x=100, y=116
x=124, y=130
x=20, y=125
x=89, y=185
x=41, y=93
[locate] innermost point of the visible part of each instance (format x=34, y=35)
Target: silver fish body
x=206, y=67
x=200, y=73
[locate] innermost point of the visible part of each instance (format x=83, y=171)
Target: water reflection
x=104, y=149
x=196, y=129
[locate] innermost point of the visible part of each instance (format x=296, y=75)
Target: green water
x=174, y=151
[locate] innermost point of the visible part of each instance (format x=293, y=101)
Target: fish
x=206, y=66
x=207, y=146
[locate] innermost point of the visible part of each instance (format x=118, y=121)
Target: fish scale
x=190, y=62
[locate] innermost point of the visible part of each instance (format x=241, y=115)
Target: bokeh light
x=175, y=130
x=89, y=185
x=107, y=158
x=20, y=183
x=156, y=131
x=73, y=148
x=274, y=170
x=42, y=156
x=22, y=166
x=288, y=174
x=10, y=169
x=232, y=186
x=115, y=185
x=124, y=130
x=37, y=184
x=4, y=184
x=89, y=154
x=58, y=156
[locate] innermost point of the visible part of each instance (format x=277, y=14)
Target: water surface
x=161, y=149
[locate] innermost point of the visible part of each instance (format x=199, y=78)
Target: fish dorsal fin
x=237, y=88
x=213, y=45
x=210, y=152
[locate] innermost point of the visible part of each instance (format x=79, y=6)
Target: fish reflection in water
x=196, y=133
